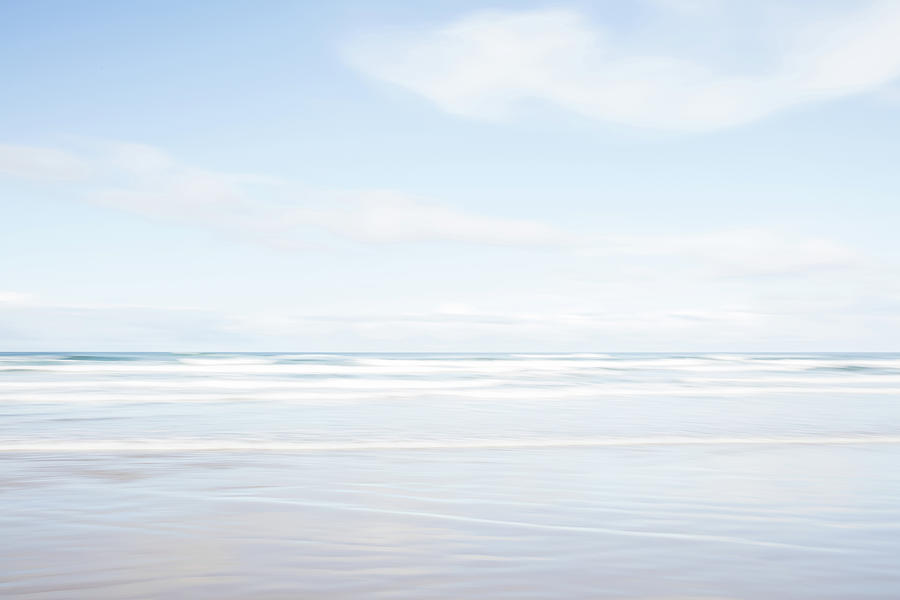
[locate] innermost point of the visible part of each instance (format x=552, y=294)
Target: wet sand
x=662, y=522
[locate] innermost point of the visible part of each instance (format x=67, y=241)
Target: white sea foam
x=269, y=366
x=813, y=380
x=337, y=392
x=174, y=445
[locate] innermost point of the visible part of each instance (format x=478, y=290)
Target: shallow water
x=270, y=476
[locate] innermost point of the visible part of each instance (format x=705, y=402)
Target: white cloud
x=740, y=251
x=393, y=217
x=763, y=251
x=7, y=297
x=282, y=214
x=41, y=163
x=150, y=182
x=488, y=63
x=145, y=180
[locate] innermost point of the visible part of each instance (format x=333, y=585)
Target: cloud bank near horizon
x=36, y=325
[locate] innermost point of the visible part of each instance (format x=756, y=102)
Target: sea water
x=444, y=476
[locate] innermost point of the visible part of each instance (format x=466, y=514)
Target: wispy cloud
x=672, y=73
x=34, y=162
x=146, y=180
x=744, y=251
x=393, y=217
x=7, y=297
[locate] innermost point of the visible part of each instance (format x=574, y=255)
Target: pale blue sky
x=449, y=176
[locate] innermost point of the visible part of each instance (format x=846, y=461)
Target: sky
x=640, y=176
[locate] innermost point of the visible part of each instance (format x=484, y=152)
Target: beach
x=440, y=476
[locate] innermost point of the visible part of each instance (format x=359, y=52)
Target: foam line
x=275, y=446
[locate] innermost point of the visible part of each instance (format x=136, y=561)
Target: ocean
x=270, y=476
